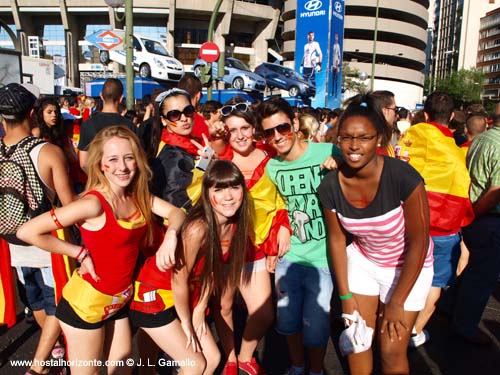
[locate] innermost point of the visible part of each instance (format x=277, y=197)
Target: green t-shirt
x=297, y=181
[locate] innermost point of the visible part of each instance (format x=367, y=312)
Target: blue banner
x=334, y=80
x=317, y=24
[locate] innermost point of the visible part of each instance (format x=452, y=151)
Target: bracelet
x=54, y=218
x=82, y=254
x=347, y=296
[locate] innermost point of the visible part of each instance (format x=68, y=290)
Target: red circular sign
x=209, y=51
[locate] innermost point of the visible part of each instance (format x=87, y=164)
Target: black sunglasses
x=283, y=129
x=175, y=114
x=228, y=109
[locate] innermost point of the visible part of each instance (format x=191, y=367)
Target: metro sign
x=107, y=39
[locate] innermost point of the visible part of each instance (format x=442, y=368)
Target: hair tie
x=363, y=104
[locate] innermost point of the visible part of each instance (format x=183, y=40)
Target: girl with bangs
x=115, y=218
x=270, y=237
x=211, y=258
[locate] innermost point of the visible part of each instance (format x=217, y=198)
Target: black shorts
x=143, y=320
x=66, y=314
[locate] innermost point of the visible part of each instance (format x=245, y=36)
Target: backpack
x=22, y=196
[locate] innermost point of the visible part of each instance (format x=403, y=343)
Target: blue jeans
x=304, y=295
x=479, y=278
x=446, y=255
x=39, y=285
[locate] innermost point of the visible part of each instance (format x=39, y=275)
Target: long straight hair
x=220, y=174
x=138, y=187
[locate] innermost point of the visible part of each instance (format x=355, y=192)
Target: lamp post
x=210, y=38
x=372, y=79
x=129, y=46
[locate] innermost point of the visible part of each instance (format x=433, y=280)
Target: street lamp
x=372, y=81
x=129, y=26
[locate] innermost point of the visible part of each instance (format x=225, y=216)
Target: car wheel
x=238, y=83
x=293, y=91
x=104, y=57
x=197, y=71
x=145, y=71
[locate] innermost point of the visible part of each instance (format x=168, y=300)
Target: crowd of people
x=159, y=218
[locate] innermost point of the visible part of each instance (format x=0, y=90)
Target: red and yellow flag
x=430, y=148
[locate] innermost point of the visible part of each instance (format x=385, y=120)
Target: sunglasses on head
x=175, y=114
x=284, y=129
x=230, y=108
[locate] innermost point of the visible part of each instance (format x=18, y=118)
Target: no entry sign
x=209, y=51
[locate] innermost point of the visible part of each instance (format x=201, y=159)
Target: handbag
x=357, y=337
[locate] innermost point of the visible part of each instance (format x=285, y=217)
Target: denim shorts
x=304, y=294
x=446, y=254
x=39, y=285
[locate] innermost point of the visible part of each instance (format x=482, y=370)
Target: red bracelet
x=82, y=249
x=56, y=221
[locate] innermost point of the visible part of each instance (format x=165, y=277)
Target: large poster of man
x=336, y=46
x=311, y=49
x=318, y=52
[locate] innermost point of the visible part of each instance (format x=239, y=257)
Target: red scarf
x=181, y=141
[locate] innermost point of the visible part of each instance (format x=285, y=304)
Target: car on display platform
x=281, y=77
x=151, y=59
x=237, y=74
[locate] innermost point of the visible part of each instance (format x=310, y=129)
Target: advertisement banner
x=334, y=80
x=316, y=45
x=311, y=38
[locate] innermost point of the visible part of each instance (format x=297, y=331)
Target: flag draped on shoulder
x=430, y=148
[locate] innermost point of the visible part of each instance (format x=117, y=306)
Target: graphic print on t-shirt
x=298, y=187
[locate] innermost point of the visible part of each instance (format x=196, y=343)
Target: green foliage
x=350, y=80
x=464, y=86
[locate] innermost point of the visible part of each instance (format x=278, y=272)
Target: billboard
x=318, y=52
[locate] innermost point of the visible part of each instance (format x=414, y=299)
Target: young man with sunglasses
x=303, y=280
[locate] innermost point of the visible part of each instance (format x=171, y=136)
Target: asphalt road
x=444, y=354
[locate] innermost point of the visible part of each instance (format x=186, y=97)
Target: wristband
x=54, y=218
x=347, y=296
x=82, y=254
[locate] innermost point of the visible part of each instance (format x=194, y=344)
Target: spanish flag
x=62, y=266
x=430, y=148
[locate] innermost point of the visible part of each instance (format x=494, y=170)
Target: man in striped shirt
x=482, y=236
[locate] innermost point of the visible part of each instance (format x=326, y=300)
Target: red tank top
x=114, y=251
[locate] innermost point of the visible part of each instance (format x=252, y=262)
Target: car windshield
x=294, y=74
x=239, y=65
x=155, y=47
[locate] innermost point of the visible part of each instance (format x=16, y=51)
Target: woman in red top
x=115, y=216
x=212, y=254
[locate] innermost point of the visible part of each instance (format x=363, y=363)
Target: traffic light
x=206, y=74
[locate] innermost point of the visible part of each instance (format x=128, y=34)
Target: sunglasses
x=228, y=109
x=175, y=114
x=284, y=129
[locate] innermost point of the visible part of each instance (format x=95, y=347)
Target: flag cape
x=430, y=148
x=62, y=267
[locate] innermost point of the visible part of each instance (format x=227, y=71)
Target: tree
x=464, y=86
x=351, y=82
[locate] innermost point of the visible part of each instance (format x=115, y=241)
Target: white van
x=151, y=59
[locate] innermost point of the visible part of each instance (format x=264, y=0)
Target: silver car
x=237, y=74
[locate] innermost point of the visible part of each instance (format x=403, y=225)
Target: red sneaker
x=250, y=368
x=230, y=368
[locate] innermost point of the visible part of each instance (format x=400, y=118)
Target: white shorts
x=367, y=278
x=255, y=266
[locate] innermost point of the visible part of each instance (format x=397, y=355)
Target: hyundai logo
x=313, y=5
x=338, y=7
